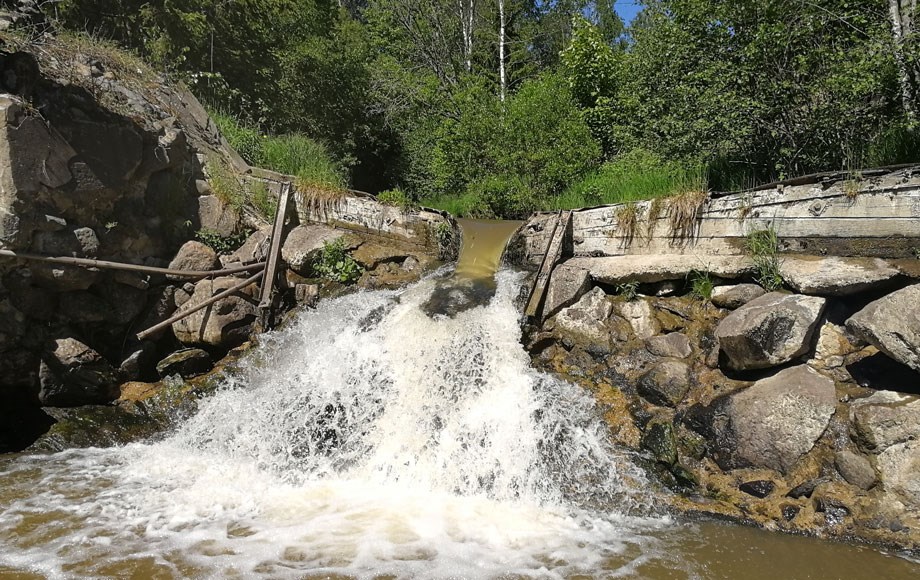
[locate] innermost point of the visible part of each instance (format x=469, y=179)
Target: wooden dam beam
x=550, y=258
x=274, y=252
x=109, y=265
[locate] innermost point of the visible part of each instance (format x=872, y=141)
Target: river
x=384, y=436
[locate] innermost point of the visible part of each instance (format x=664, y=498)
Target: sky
x=627, y=9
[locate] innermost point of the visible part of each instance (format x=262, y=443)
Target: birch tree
x=503, y=81
x=902, y=14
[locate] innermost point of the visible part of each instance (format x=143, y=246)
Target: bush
x=336, y=265
x=221, y=244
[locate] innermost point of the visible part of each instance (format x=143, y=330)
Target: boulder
x=639, y=315
x=566, y=286
x=138, y=364
x=73, y=374
x=835, y=276
x=899, y=471
x=672, y=345
x=254, y=249
x=855, y=469
x=585, y=322
x=80, y=242
x=884, y=419
x=188, y=362
x=735, y=296
x=194, y=256
x=34, y=302
x=13, y=326
x=770, y=330
x=666, y=383
x=892, y=324
x=371, y=255
x=214, y=215
x=778, y=419
x=60, y=278
x=226, y=323
x=305, y=243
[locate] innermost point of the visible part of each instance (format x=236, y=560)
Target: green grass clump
x=633, y=176
x=395, y=197
x=701, y=285
x=221, y=244
x=763, y=246
x=292, y=154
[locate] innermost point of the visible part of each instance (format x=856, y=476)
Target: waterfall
x=366, y=438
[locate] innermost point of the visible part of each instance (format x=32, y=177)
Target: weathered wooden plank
x=274, y=252
x=551, y=256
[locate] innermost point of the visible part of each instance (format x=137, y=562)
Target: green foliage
x=225, y=184
x=636, y=175
x=221, y=244
x=701, y=285
x=262, y=200
x=628, y=290
x=336, y=265
x=763, y=246
x=448, y=241
x=396, y=198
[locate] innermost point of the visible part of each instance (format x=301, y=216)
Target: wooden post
x=550, y=258
x=271, y=267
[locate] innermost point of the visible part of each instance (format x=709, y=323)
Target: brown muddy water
x=371, y=439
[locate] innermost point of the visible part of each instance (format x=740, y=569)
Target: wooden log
x=179, y=316
x=105, y=264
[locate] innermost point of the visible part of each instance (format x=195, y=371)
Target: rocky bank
x=797, y=409
x=103, y=158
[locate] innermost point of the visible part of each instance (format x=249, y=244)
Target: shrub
x=700, y=285
x=336, y=265
x=221, y=244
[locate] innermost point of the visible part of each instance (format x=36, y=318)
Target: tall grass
x=634, y=176
x=292, y=154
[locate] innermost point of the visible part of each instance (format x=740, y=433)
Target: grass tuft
x=763, y=246
x=684, y=212
x=628, y=222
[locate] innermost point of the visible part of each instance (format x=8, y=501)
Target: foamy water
x=365, y=440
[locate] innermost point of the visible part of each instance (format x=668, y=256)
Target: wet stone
x=790, y=511
x=659, y=440
x=188, y=362
x=759, y=488
x=805, y=489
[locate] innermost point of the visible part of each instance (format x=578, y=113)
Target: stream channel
x=387, y=434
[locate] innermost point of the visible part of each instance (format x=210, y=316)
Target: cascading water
x=368, y=439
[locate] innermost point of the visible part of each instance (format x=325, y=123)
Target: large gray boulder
x=884, y=419
x=770, y=330
x=226, y=323
x=304, y=244
x=585, y=322
x=892, y=324
x=216, y=216
x=778, y=419
x=194, y=256
x=835, y=276
x=566, y=285
x=73, y=374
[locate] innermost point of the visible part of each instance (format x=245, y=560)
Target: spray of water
x=365, y=439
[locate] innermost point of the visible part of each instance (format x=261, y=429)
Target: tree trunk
x=901, y=26
x=501, y=49
x=466, y=26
